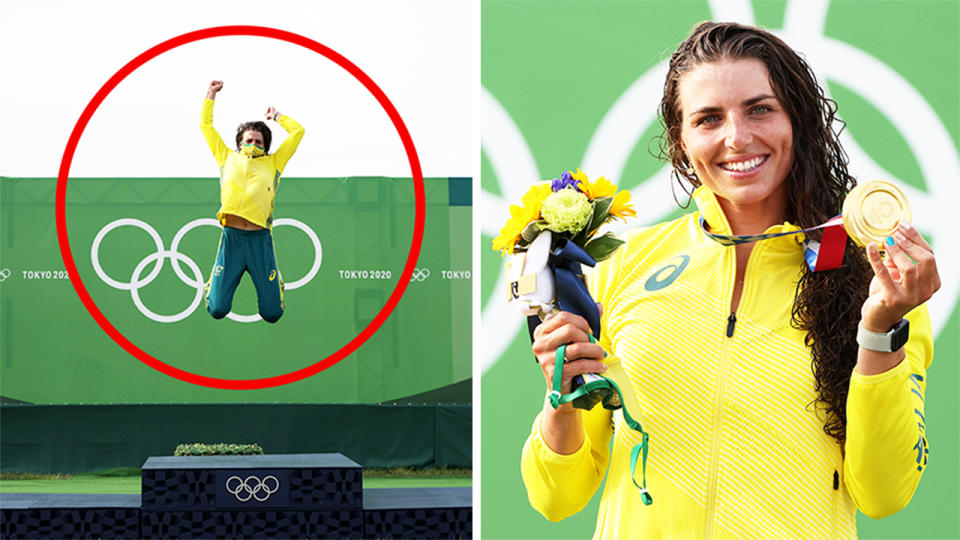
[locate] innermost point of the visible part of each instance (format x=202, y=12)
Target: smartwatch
x=890, y=341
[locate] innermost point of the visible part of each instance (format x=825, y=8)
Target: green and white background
x=347, y=192
x=576, y=84
x=344, y=208
x=341, y=245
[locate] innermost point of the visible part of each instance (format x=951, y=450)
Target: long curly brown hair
x=827, y=303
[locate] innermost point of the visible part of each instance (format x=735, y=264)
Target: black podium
x=269, y=496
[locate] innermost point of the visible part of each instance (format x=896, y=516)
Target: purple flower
x=564, y=181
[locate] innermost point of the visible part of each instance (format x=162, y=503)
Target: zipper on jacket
x=715, y=444
x=731, y=322
x=712, y=471
x=836, y=502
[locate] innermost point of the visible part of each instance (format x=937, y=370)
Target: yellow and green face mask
x=252, y=150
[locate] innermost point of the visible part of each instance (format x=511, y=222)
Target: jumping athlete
x=248, y=184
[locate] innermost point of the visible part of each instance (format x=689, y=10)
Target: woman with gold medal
x=779, y=399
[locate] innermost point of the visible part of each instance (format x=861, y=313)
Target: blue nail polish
x=889, y=240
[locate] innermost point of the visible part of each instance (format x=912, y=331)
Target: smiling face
x=737, y=135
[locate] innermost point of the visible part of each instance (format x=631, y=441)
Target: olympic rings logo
x=137, y=281
x=420, y=274
x=252, y=487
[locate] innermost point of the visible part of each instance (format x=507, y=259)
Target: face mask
x=252, y=150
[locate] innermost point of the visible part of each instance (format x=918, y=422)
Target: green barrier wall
x=575, y=84
x=52, y=351
x=78, y=438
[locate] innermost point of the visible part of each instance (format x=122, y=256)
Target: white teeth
x=741, y=166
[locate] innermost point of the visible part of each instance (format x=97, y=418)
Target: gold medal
x=872, y=211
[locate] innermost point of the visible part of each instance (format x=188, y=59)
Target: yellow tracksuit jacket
x=736, y=447
x=249, y=185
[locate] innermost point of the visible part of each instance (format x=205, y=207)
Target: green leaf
x=602, y=247
x=601, y=209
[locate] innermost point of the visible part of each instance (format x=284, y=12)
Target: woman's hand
x=562, y=428
x=899, y=284
x=580, y=357
x=272, y=113
x=215, y=86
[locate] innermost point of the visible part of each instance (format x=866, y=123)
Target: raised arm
x=886, y=447
x=215, y=86
x=294, y=136
x=214, y=141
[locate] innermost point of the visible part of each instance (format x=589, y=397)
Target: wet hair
x=255, y=126
x=827, y=303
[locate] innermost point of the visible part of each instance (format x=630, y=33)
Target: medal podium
x=263, y=496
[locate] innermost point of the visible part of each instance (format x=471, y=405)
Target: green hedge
x=218, y=449
x=80, y=438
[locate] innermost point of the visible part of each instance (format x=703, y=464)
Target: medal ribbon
x=826, y=254
x=640, y=450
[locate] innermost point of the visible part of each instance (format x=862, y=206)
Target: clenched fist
x=215, y=86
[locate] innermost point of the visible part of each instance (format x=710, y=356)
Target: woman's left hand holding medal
x=906, y=278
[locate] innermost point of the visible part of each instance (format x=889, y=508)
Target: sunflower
x=521, y=216
x=621, y=206
x=584, y=182
x=601, y=187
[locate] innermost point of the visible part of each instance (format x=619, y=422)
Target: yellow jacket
x=249, y=185
x=736, y=447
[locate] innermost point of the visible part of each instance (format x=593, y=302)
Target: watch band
x=890, y=341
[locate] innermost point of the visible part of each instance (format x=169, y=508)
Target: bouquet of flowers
x=570, y=206
x=548, y=238
x=552, y=234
